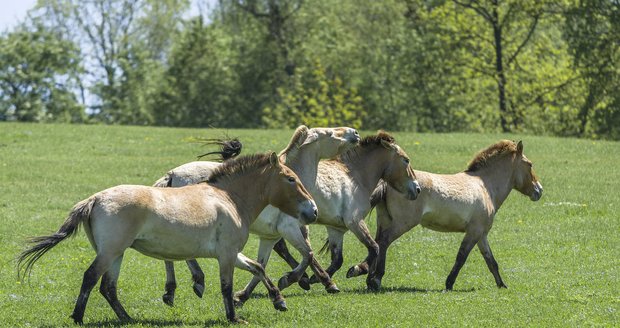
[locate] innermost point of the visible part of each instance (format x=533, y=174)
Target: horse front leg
x=264, y=252
x=335, y=238
x=466, y=246
x=485, y=249
x=227, y=267
x=298, y=237
x=171, y=284
x=282, y=250
x=360, y=230
x=198, y=277
x=244, y=263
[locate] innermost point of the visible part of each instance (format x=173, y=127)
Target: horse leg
x=485, y=249
x=244, y=263
x=227, y=267
x=335, y=238
x=108, y=289
x=91, y=276
x=171, y=284
x=298, y=237
x=466, y=246
x=198, y=277
x=283, y=252
x=382, y=216
x=264, y=252
x=360, y=230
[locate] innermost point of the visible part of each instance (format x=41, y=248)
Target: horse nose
x=316, y=213
x=309, y=213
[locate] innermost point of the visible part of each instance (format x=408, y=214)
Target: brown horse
x=463, y=202
x=205, y=220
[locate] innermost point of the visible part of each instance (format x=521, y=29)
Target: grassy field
x=559, y=256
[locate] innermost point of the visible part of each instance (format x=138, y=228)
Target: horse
x=210, y=219
x=465, y=202
x=302, y=155
x=343, y=190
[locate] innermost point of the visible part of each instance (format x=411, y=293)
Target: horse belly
x=444, y=222
x=177, y=245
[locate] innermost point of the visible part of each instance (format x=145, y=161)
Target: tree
x=38, y=77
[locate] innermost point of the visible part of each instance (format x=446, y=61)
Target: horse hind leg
x=335, y=238
x=247, y=264
x=91, y=276
x=485, y=249
x=108, y=289
x=171, y=284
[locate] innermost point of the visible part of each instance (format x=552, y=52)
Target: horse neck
x=367, y=167
x=304, y=162
x=247, y=193
x=497, y=178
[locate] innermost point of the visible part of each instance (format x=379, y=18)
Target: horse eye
x=291, y=179
x=406, y=161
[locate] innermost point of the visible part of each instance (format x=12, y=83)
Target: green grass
x=559, y=256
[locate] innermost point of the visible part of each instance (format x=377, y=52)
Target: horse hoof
x=332, y=289
x=168, y=299
x=304, y=283
x=283, y=283
x=77, y=321
x=199, y=290
x=353, y=272
x=503, y=286
x=280, y=305
x=373, y=284
x=238, y=321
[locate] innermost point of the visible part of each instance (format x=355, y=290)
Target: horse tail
x=80, y=212
x=378, y=195
x=323, y=249
x=229, y=148
x=164, y=181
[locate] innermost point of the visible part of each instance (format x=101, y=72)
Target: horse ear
x=386, y=144
x=520, y=147
x=273, y=159
x=310, y=138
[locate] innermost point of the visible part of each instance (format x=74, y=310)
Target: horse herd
x=327, y=176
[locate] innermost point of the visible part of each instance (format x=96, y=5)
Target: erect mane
x=238, y=166
x=299, y=136
x=367, y=142
x=494, y=151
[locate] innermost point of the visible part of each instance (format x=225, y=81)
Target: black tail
x=229, y=148
x=79, y=213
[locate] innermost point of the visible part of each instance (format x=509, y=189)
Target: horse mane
x=366, y=142
x=485, y=156
x=239, y=165
x=299, y=136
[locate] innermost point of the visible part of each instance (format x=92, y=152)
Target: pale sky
x=13, y=11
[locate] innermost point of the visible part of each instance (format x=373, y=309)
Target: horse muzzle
x=308, y=213
x=537, y=193
x=413, y=190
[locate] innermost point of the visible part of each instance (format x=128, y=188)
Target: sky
x=13, y=11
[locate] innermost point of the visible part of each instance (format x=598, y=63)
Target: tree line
x=544, y=67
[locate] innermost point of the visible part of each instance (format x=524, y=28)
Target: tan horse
x=463, y=202
x=205, y=220
x=343, y=189
x=302, y=155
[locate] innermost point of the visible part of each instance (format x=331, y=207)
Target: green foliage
x=315, y=99
x=558, y=256
x=38, y=77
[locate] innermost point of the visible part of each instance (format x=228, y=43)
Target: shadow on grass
x=155, y=323
x=404, y=289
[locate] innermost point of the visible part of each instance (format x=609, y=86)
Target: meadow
x=559, y=256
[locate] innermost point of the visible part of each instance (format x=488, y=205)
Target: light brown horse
x=205, y=220
x=463, y=202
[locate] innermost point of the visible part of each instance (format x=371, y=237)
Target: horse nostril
x=316, y=213
x=418, y=190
